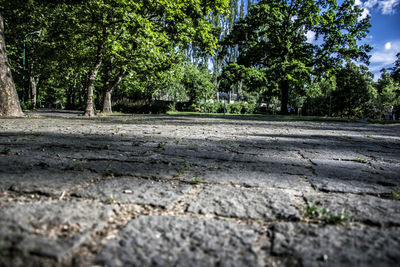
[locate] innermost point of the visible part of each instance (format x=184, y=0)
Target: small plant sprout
x=197, y=180
x=361, y=160
x=6, y=151
x=182, y=170
x=368, y=135
x=314, y=210
x=109, y=171
x=395, y=193
x=103, y=147
x=161, y=145
x=135, y=143
x=110, y=199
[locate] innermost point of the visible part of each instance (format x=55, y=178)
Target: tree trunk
x=284, y=85
x=9, y=103
x=111, y=86
x=89, y=110
x=33, y=91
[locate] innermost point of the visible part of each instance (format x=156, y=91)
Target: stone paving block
x=192, y=151
x=174, y=241
x=138, y=191
x=49, y=182
x=331, y=153
x=149, y=169
x=50, y=229
x=255, y=174
x=350, y=177
x=368, y=209
x=244, y=203
x=334, y=245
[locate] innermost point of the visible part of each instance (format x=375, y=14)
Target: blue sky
x=384, y=34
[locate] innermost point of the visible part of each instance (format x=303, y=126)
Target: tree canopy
x=273, y=37
x=96, y=54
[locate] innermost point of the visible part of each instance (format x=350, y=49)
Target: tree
x=198, y=83
x=9, y=103
x=147, y=27
x=388, y=90
x=353, y=90
x=273, y=37
x=396, y=69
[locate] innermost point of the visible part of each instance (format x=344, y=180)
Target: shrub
x=236, y=108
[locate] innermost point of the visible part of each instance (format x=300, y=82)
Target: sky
x=384, y=35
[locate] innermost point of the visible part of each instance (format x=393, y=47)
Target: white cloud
x=310, y=37
x=384, y=56
x=365, y=12
x=386, y=7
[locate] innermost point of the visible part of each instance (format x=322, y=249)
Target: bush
x=157, y=107
x=236, y=108
x=248, y=108
x=28, y=105
x=218, y=107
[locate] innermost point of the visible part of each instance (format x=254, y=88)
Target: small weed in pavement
x=110, y=199
x=314, y=210
x=161, y=145
x=182, y=170
x=197, y=180
x=135, y=143
x=395, y=193
x=361, y=160
x=5, y=151
x=103, y=147
x=109, y=171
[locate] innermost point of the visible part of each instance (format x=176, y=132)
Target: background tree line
x=99, y=54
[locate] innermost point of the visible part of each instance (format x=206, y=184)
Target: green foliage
x=110, y=199
x=353, y=90
x=395, y=193
x=182, y=170
x=314, y=210
x=161, y=145
x=136, y=143
x=5, y=151
x=361, y=160
x=218, y=107
x=27, y=105
x=138, y=108
x=388, y=92
x=197, y=81
x=197, y=180
x=273, y=37
x=110, y=171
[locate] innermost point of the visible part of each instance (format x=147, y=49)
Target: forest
x=213, y=56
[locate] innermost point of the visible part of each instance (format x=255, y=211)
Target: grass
x=110, y=171
x=267, y=116
x=161, y=145
x=110, y=199
x=182, y=170
x=5, y=151
x=103, y=147
x=395, y=193
x=314, y=210
x=361, y=160
x=197, y=180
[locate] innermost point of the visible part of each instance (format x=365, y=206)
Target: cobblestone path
x=159, y=190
